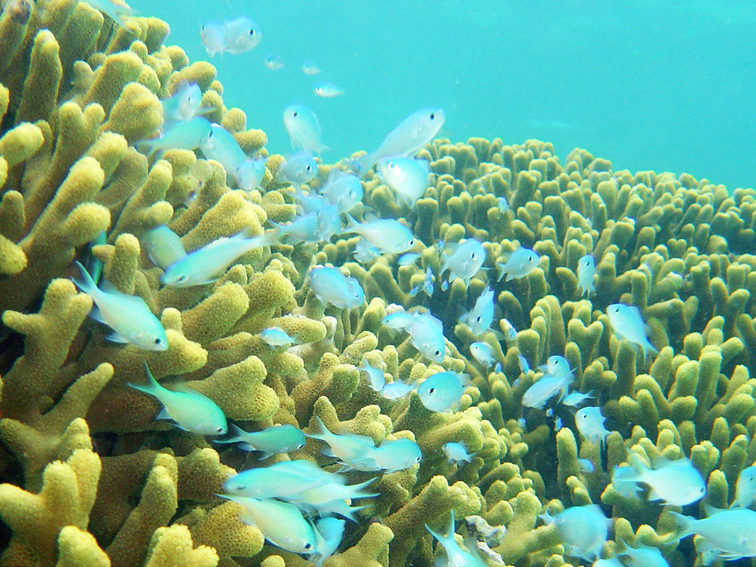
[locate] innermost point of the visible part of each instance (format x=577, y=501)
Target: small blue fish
x=557, y=366
x=585, y=465
x=482, y=353
x=327, y=90
x=328, y=535
x=465, y=260
x=281, y=523
x=455, y=555
x=274, y=62
x=510, y=333
x=128, y=315
x=310, y=68
x=520, y=263
x=211, y=35
x=643, y=557
x=348, y=447
x=329, y=222
x=441, y=391
x=408, y=258
x=298, y=168
x=303, y=228
x=677, y=483
x=480, y=317
x=163, y=246
x=590, y=424
x=427, y=336
x=184, y=104
x=309, y=202
x=282, y=480
x=407, y=177
x=730, y=533
x=399, y=319
x=396, y=390
x=240, y=35
x=548, y=386
x=303, y=128
x=583, y=529
x=574, y=399
x=523, y=362
x=219, y=144
x=456, y=452
x=332, y=287
x=427, y=285
x=408, y=138
x=625, y=483
x=390, y=456
x=208, y=263
x=343, y=190
x=270, y=441
x=184, y=135
x=190, y=410
x=745, y=489
x=627, y=323
x=586, y=269
x=388, y=235
x=375, y=375
x=503, y=205
x=276, y=336
x=364, y=252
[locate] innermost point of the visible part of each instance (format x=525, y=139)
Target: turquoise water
x=645, y=84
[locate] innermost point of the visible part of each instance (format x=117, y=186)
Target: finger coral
x=93, y=474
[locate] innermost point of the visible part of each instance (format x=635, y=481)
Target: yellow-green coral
x=93, y=479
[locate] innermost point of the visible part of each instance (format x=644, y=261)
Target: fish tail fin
x=86, y=283
x=684, y=524
x=361, y=165
x=152, y=385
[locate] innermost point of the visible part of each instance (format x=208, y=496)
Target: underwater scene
x=238, y=332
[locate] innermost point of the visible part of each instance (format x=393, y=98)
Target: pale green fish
x=128, y=315
x=643, y=557
x=298, y=168
x=441, y=391
x=583, y=529
x=327, y=90
x=208, y=263
x=347, y=447
x=219, y=144
x=519, y=264
x=625, y=482
x=328, y=534
x=276, y=336
x=310, y=68
x=184, y=104
x=240, y=34
x=480, y=317
x=556, y=366
x=482, y=353
x=343, y=190
x=163, y=246
x=309, y=202
x=190, y=410
x=390, y=456
x=745, y=489
x=590, y=424
x=303, y=228
x=731, y=533
x=677, y=483
x=427, y=286
x=399, y=319
x=364, y=252
x=375, y=375
x=281, y=480
x=409, y=137
x=329, y=222
x=456, y=452
x=281, y=523
x=332, y=287
x=388, y=235
x=585, y=271
x=427, y=336
x=408, y=258
x=455, y=555
x=211, y=35
x=574, y=399
x=408, y=177
x=303, y=128
x=184, y=135
x=271, y=440
x=396, y=390
x=627, y=323
x=463, y=262
x=544, y=389
x=274, y=62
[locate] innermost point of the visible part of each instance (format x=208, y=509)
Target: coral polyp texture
x=92, y=478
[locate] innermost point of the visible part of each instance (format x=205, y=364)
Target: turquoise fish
x=303, y=128
x=732, y=533
x=456, y=452
x=184, y=135
x=190, y=410
x=128, y=315
x=590, y=424
x=269, y=441
x=332, y=287
x=388, y=235
x=627, y=323
x=583, y=529
x=519, y=264
x=464, y=261
x=441, y=391
x=745, y=489
x=407, y=177
x=455, y=555
x=586, y=269
x=163, y=246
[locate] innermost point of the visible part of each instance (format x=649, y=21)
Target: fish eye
x=432, y=116
x=241, y=487
x=412, y=242
x=300, y=445
x=308, y=169
x=219, y=429
x=478, y=318
x=294, y=114
x=437, y=352
x=181, y=278
x=431, y=390
x=157, y=340
x=308, y=546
